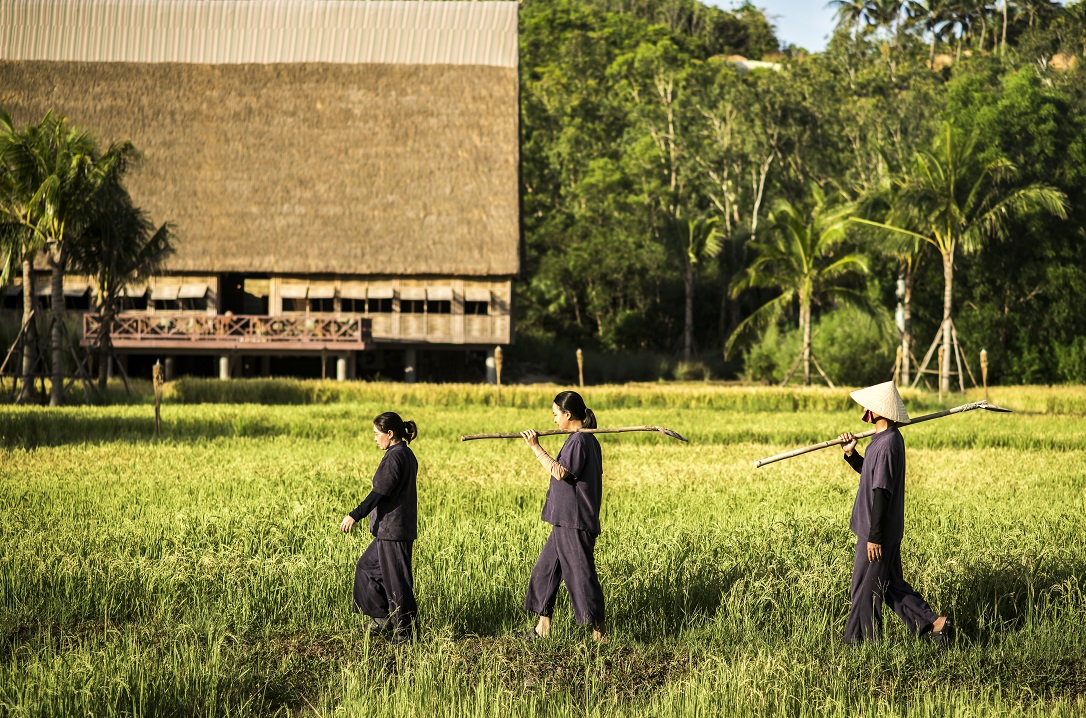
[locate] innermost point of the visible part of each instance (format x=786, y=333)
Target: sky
x=806, y=23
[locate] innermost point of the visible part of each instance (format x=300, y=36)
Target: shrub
x=852, y=348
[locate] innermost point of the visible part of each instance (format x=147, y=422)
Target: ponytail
x=572, y=402
x=406, y=431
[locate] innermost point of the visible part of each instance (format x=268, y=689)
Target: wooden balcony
x=183, y=332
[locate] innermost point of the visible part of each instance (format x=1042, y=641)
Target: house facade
x=342, y=177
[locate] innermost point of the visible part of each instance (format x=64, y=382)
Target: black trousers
x=568, y=555
x=882, y=581
x=384, y=586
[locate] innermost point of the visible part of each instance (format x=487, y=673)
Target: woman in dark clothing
x=383, y=581
x=878, y=520
x=573, y=510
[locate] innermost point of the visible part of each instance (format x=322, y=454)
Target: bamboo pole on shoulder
x=555, y=432
x=863, y=435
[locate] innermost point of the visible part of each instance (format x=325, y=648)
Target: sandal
x=379, y=626
x=530, y=635
x=944, y=635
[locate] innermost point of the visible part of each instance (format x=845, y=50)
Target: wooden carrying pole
x=555, y=432
x=836, y=442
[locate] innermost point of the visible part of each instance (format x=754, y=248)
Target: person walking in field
x=878, y=520
x=572, y=508
x=383, y=580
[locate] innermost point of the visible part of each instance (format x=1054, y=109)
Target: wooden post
x=498, y=371
x=984, y=371
x=942, y=358
x=158, y=375
x=580, y=367
x=897, y=367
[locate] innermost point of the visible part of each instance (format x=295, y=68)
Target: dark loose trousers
x=384, y=584
x=568, y=555
x=878, y=582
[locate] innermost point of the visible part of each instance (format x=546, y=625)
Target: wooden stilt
x=795, y=365
x=958, y=361
x=81, y=370
x=954, y=333
x=817, y=367
x=927, y=357
x=124, y=373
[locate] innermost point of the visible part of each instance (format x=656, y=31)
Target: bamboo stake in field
x=836, y=442
x=555, y=432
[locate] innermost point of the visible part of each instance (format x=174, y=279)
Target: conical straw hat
x=884, y=400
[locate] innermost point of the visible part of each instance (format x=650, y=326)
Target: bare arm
x=551, y=465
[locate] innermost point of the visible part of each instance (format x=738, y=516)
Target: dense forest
x=690, y=214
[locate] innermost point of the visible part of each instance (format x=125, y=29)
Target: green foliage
x=634, y=119
x=851, y=346
x=808, y=260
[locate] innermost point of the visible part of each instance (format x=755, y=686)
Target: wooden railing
x=253, y=333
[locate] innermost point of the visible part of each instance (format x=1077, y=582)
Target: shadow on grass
x=31, y=430
x=1007, y=595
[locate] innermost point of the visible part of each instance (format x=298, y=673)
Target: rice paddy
x=202, y=573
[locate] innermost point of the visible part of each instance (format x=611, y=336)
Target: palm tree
x=934, y=15
x=884, y=201
x=60, y=170
x=886, y=13
x=1033, y=9
x=21, y=243
x=119, y=246
x=851, y=13
x=955, y=200
x=805, y=256
x=699, y=240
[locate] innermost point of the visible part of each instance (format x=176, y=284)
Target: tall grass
x=695, y=395
x=202, y=573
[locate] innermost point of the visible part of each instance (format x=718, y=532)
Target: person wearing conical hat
x=878, y=520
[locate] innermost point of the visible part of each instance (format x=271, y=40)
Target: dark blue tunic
x=882, y=468
x=396, y=516
x=574, y=502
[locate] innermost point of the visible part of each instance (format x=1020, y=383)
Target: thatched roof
x=304, y=167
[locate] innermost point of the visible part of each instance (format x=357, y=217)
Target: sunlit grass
x=202, y=573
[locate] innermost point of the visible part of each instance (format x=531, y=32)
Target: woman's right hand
x=531, y=438
x=346, y=524
x=848, y=444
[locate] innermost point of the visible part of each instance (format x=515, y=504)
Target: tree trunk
x=105, y=344
x=56, y=303
x=931, y=54
x=1003, y=48
x=688, y=323
x=907, y=321
x=948, y=280
x=805, y=319
x=30, y=335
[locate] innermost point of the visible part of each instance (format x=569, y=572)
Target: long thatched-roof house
x=344, y=173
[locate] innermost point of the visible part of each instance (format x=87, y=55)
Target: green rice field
x=202, y=573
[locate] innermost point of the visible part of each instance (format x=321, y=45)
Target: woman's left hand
x=346, y=524
x=531, y=438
